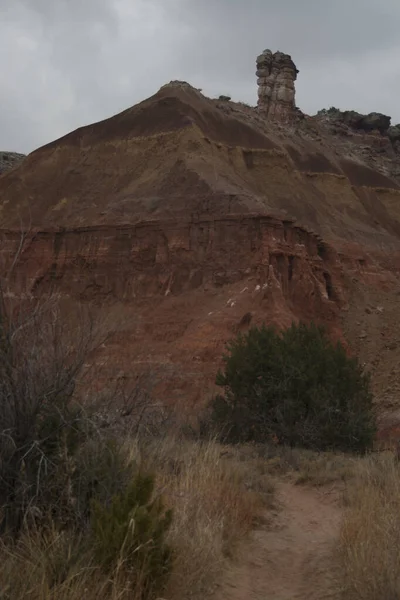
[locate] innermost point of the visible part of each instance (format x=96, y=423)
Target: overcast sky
x=66, y=63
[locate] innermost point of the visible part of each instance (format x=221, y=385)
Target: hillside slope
x=180, y=154
x=199, y=217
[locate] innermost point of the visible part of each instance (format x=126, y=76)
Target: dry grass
x=303, y=466
x=369, y=546
x=214, y=503
x=214, y=507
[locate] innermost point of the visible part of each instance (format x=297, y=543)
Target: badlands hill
x=198, y=217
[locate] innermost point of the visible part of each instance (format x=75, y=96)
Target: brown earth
x=291, y=556
x=196, y=218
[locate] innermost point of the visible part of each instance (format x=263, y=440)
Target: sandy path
x=289, y=559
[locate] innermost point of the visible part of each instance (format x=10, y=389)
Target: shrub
x=102, y=469
x=296, y=387
x=131, y=532
x=214, y=495
x=41, y=358
x=52, y=454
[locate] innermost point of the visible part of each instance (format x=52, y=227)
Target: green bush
x=38, y=475
x=130, y=532
x=102, y=469
x=296, y=387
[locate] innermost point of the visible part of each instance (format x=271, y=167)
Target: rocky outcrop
x=9, y=160
x=350, y=118
x=368, y=138
x=374, y=122
x=276, y=75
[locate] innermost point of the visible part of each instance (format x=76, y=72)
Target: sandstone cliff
x=198, y=217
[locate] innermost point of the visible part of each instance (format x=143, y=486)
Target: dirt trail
x=290, y=558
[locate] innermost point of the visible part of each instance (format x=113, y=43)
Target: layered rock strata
x=276, y=75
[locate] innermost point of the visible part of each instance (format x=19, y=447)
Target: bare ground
x=290, y=558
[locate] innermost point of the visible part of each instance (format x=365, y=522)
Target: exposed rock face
x=276, y=91
x=187, y=286
x=9, y=160
x=375, y=122
x=371, y=122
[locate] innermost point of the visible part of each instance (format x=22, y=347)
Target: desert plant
x=295, y=386
x=41, y=424
x=131, y=531
x=211, y=490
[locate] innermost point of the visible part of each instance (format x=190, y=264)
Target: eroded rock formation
x=183, y=288
x=276, y=75
x=372, y=122
x=195, y=217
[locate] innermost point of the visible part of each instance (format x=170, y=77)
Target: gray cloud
x=67, y=63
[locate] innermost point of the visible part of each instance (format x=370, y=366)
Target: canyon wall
x=183, y=289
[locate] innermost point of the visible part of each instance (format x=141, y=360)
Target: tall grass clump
x=214, y=507
x=369, y=546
